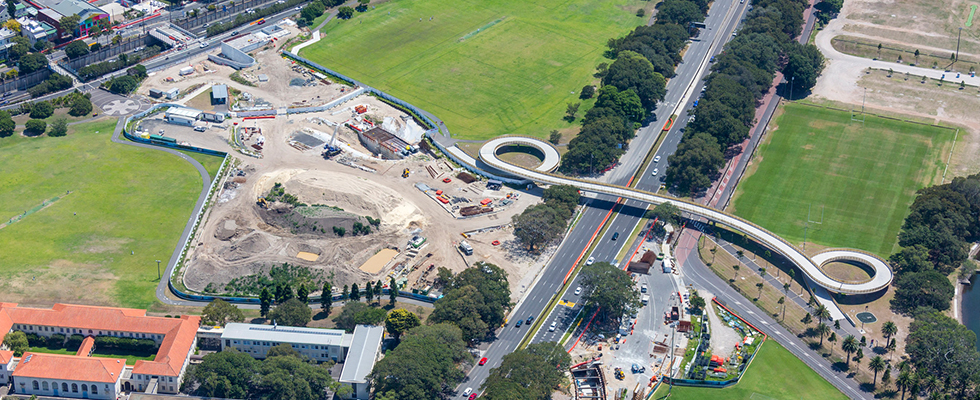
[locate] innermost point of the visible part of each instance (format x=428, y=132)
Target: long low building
x=73, y=376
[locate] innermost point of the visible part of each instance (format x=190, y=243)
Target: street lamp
x=158, y=270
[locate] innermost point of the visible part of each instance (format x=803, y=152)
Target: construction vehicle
x=331, y=149
x=405, y=173
x=262, y=202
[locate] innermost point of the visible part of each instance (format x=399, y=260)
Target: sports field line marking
x=973, y=10
x=43, y=205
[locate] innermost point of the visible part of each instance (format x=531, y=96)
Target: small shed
x=219, y=94
x=156, y=93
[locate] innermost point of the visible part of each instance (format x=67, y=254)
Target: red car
x=447, y=180
x=483, y=360
x=472, y=396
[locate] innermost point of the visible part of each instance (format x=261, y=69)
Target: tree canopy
x=220, y=312
x=609, y=288
x=539, y=225
x=76, y=49
x=423, y=366
x=943, y=348
x=356, y=313
x=401, y=320
x=476, y=300
x=927, y=288
x=534, y=372
x=292, y=312
x=633, y=71
x=235, y=375
x=32, y=62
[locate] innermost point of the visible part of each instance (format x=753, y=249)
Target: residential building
x=5, y=41
x=176, y=338
x=365, y=348
x=315, y=343
x=6, y=366
x=51, y=11
x=35, y=30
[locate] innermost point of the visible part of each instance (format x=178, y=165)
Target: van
x=615, y=236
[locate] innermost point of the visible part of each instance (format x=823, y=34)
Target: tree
x=610, y=289
x=886, y=378
x=219, y=312
x=355, y=293
x=7, y=124
x=932, y=342
x=326, y=297
x=849, y=345
x=32, y=62
x=804, y=66
x=697, y=303
x=904, y=382
x=736, y=268
x=123, y=84
x=760, y=285
x=378, y=288
x=59, y=127
x=554, y=137
x=302, y=294
x=232, y=374
x=786, y=287
x=225, y=374
x=356, y=313
x=821, y=330
x=476, y=300
x=393, y=290
x=632, y=71
x=879, y=51
x=916, y=62
x=928, y=289
x=837, y=324
x=666, y=212
x=571, y=110
x=565, y=196
x=531, y=373
x=888, y=329
x=400, y=321
x=588, y=91
x=679, y=12
x=423, y=366
x=538, y=225
x=283, y=350
x=42, y=110
x=76, y=49
x=69, y=24
x=782, y=302
x=345, y=294
x=345, y=12
x=12, y=9
x=831, y=339
x=312, y=11
x=80, y=105
x=16, y=341
x=292, y=313
x=859, y=355
x=877, y=364
x=369, y=291
x=34, y=127
x=265, y=301
x=12, y=24
x=821, y=312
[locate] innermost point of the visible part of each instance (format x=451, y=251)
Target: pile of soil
x=309, y=220
x=243, y=248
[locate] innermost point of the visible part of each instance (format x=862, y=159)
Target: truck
x=466, y=248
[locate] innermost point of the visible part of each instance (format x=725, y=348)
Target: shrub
x=76, y=49
x=56, y=341
x=42, y=110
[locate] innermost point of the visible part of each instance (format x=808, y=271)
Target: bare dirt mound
x=316, y=220
x=244, y=248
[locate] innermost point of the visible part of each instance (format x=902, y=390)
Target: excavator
x=405, y=173
x=262, y=203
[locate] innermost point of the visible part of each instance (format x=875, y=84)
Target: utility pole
x=959, y=33
x=158, y=270
x=792, y=82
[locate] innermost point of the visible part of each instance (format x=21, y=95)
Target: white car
x=578, y=291
x=590, y=261
x=655, y=171
x=553, y=326
x=656, y=159
x=204, y=44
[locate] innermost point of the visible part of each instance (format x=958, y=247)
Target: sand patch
x=308, y=256
x=374, y=264
x=63, y=281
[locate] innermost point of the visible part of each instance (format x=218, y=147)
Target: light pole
x=158, y=270
x=959, y=33
x=792, y=82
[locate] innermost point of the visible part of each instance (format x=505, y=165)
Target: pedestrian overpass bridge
x=810, y=266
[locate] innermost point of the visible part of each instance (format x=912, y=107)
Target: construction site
x=337, y=183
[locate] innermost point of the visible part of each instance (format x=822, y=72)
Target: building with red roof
x=175, y=336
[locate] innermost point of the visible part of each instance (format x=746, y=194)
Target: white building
x=365, y=348
x=315, y=343
x=35, y=30
x=90, y=377
x=6, y=366
x=5, y=43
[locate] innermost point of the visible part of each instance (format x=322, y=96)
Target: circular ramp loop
x=810, y=266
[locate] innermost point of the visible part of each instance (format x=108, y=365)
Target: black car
x=519, y=323
x=530, y=320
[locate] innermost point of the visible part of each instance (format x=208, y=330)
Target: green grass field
x=775, y=374
x=515, y=76
x=862, y=177
x=131, y=205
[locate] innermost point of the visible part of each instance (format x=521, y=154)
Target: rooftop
x=219, y=91
x=55, y=366
x=362, y=354
x=69, y=7
x=184, y=112
x=288, y=334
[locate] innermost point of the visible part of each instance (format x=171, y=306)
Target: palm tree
x=876, y=364
x=889, y=328
x=782, y=302
x=822, y=312
x=822, y=329
x=735, y=267
x=832, y=338
x=849, y=345
x=904, y=382
x=760, y=285
x=891, y=349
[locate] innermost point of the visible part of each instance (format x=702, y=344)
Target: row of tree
x=631, y=86
x=124, y=60
x=284, y=374
x=741, y=76
x=541, y=224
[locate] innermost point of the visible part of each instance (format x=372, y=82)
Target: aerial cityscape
x=433, y=199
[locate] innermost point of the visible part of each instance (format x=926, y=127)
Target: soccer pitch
x=99, y=244
x=775, y=374
x=485, y=68
x=855, y=180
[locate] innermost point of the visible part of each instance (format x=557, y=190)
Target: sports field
x=775, y=374
x=856, y=180
x=97, y=245
x=485, y=68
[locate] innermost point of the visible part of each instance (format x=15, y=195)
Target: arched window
x=95, y=389
x=35, y=384
x=74, y=388
x=64, y=387
x=44, y=385
x=84, y=387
